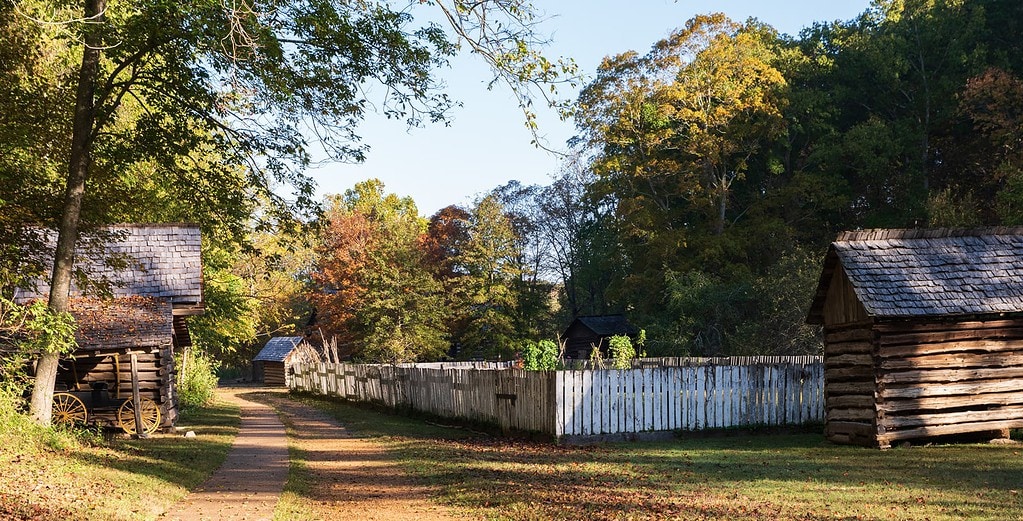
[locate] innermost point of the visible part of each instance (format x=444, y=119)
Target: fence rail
x=582, y=403
x=691, y=361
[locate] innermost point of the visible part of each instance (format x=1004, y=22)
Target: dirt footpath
x=249, y=483
x=340, y=476
x=349, y=476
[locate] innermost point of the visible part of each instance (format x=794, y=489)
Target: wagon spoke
x=68, y=409
x=149, y=411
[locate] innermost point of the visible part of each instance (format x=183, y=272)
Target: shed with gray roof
x=923, y=333
x=271, y=363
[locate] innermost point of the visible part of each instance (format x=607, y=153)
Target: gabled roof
x=160, y=260
x=928, y=273
x=606, y=325
x=278, y=348
x=121, y=323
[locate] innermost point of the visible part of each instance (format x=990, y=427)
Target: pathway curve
x=249, y=483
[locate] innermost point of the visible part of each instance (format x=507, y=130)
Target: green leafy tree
x=533, y=316
x=888, y=83
x=376, y=290
x=488, y=290
x=578, y=242
x=228, y=322
x=25, y=331
x=270, y=276
x=213, y=101
x=684, y=144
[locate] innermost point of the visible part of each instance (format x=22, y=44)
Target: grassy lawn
x=771, y=476
x=117, y=479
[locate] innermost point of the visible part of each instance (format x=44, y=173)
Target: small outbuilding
x=126, y=340
x=923, y=334
x=588, y=332
x=271, y=364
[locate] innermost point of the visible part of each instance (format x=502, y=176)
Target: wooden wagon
x=98, y=407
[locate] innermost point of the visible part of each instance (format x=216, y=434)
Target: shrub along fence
x=574, y=405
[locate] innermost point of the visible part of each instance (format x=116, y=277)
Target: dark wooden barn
x=587, y=332
x=271, y=364
x=126, y=342
x=923, y=334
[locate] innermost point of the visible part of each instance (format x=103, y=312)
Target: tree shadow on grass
x=172, y=458
x=736, y=477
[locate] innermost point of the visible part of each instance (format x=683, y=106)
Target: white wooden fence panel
x=629, y=401
x=564, y=394
x=701, y=398
x=657, y=399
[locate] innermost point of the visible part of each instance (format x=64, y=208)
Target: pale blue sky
x=487, y=144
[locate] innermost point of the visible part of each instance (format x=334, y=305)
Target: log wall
x=893, y=381
x=156, y=377
x=937, y=379
x=849, y=389
x=273, y=374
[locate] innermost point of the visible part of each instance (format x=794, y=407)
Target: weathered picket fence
x=588, y=403
x=510, y=398
x=688, y=398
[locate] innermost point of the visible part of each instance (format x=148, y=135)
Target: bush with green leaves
x=26, y=330
x=198, y=378
x=35, y=328
x=540, y=356
x=622, y=352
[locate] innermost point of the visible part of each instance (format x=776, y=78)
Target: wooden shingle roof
x=278, y=348
x=159, y=260
x=122, y=323
x=607, y=325
x=928, y=273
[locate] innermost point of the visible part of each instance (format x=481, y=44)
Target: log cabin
x=588, y=332
x=270, y=365
x=923, y=334
x=126, y=340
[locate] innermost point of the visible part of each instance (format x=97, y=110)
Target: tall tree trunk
x=41, y=406
x=719, y=226
x=723, y=185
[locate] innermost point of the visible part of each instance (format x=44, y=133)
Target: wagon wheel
x=150, y=413
x=68, y=409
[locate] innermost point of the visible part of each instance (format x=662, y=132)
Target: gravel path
x=249, y=483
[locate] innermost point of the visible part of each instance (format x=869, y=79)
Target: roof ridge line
x=879, y=234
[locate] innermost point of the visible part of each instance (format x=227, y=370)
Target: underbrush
x=20, y=433
x=198, y=377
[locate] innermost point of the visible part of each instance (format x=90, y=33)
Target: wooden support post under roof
x=136, y=399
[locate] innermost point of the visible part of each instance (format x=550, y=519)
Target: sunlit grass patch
x=85, y=477
x=770, y=476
